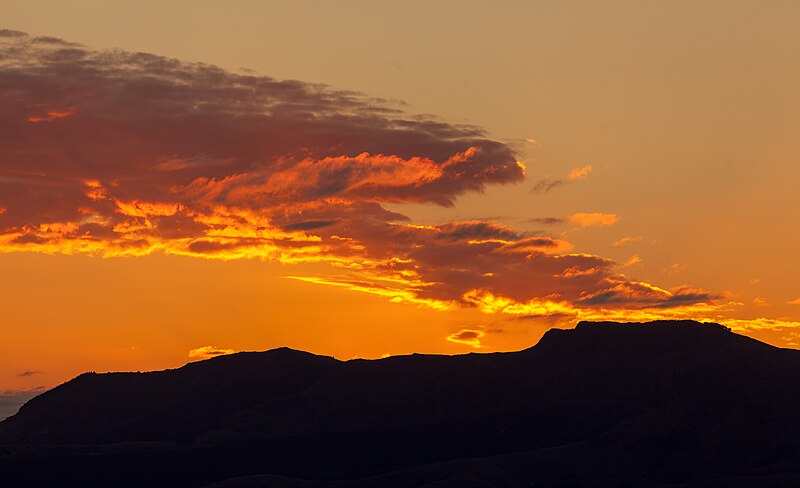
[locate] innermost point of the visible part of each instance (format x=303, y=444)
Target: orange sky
x=632, y=160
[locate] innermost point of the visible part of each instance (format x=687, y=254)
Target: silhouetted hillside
x=603, y=404
x=178, y=404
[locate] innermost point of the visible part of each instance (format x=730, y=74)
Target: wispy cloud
x=469, y=337
x=632, y=261
x=544, y=186
x=29, y=373
x=547, y=220
x=593, y=219
x=206, y=352
x=626, y=241
x=676, y=269
x=579, y=173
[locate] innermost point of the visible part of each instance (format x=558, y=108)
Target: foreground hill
x=662, y=403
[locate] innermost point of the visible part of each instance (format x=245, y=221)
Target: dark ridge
x=604, y=404
x=175, y=405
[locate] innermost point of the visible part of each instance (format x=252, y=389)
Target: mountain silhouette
x=667, y=403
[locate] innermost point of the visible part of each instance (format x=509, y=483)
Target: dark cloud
x=309, y=225
x=547, y=220
x=467, y=336
x=11, y=33
x=118, y=153
x=545, y=186
x=149, y=128
x=644, y=295
x=475, y=230
x=29, y=373
x=464, y=262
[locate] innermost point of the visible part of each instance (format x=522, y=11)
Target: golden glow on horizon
x=402, y=286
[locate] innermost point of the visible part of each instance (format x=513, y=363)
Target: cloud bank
x=114, y=153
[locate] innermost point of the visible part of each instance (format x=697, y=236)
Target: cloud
x=647, y=295
x=626, y=241
x=452, y=264
x=593, y=219
x=792, y=339
x=760, y=323
x=11, y=400
x=579, y=173
x=132, y=154
x=469, y=337
x=475, y=230
x=29, y=373
x=545, y=186
x=676, y=269
x=309, y=225
x=547, y=220
x=206, y=352
x=632, y=261
x=51, y=115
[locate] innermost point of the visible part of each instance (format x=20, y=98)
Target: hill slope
x=604, y=403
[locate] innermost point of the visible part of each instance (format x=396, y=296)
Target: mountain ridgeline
x=675, y=403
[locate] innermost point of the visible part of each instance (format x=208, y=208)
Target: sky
x=180, y=180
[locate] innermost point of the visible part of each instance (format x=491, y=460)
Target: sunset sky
x=445, y=177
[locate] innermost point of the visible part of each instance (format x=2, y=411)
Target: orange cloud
x=626, y=241
x=137, y=208
x=676, y=269
x=469, y=337
x=529, y=245
x=632, y=261
x=594, y=219
x=51, y=115
x=206, y=352
x=792, y=339
x=185, y=159
x=563, y=311
x=544, y=186
x=579, y=173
